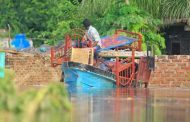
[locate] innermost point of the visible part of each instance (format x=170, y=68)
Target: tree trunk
x=127, y=1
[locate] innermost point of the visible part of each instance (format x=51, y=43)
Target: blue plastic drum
x=20, y=42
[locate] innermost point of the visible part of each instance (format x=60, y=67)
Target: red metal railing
x=62, y=54
x=125, y=70
x=57, y=56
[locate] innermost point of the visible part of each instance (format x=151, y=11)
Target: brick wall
x=32, y=69
x=171, y=71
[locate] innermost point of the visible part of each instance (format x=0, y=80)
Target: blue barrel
x=2, y=64
x=20, y=42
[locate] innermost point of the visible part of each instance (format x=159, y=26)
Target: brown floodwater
x=130, y=105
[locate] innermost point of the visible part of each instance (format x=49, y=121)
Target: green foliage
x=167, y=10
x=95, y=8
x=5, y=88
x=38, y=18
x=45, y=104
x=47, y=21
x=8, y=15
x=155, y=40
x=127, y=17
x=175, y=9
x=151, y=6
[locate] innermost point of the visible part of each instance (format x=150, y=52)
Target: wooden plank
x=16, y=52
x=124, y=54
x=9, y=51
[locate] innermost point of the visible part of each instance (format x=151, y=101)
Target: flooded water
x=130, y=105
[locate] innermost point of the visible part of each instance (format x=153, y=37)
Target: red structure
x=124, y=69
x=143, y=71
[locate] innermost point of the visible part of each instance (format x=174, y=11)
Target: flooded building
x=177, y=39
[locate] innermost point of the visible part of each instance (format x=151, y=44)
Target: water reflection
x=130, y=105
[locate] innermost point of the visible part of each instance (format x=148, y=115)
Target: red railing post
x=133, y=61
x=117, y=72
x=66, y=47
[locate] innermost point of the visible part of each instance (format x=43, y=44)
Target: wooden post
x=52, y=56
x=9, y=36
x=66, y=46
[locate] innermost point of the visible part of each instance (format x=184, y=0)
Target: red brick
x=165, y=82
x=176, y=60
x=184, y=57
x=185, y=85
x=185, y=60
x=182, y=64
x=164, y=85
x=169, y=70
x=172, y=64
x=180, y=71
x=188, y=64
x=172, y=57
x=34, y=67
x=176, y=84
x=185, y=68
x=168, y=74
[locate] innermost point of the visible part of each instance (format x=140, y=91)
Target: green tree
x=116, y=14
x=167, y=10
x=95, y=8
x=8, y=15
x=38, y=18
x=127, y=17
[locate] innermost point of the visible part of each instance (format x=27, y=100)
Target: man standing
x=92, y=34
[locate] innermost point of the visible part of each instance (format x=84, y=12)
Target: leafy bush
x=45, y=104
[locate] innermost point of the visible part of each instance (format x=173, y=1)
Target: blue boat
x=86, y=76
x=80, y=75
x=79, y=72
